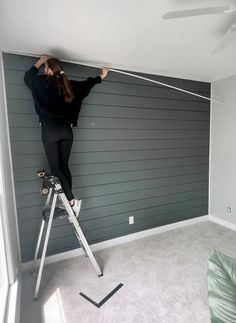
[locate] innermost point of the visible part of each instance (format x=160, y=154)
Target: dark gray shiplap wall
x=140, y=150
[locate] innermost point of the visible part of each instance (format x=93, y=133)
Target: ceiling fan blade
x=197, y=12
x=226, y=40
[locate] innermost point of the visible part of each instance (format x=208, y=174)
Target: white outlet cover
x=131, y=220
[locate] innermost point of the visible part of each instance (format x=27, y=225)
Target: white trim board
x=14, y=302
x=223, y=223
x=7, y=198
x=116, y=241
x=210, y=156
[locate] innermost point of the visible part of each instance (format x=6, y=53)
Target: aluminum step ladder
x=52, y=188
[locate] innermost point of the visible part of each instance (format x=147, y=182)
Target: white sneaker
x=76, y=207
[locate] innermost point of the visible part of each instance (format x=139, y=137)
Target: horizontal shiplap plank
x=21, y=92
x=29, y=173
x=195, y=181
x=94, y=110
x=20, y=107
x=123, y=202
x=140, y=214
x=143, y=113
x=114, y=145
x=157, y=197
x=136, y=134
x=15, y=77
x=30, y=147
x=89, y=180
x=31, y=120
x=32, y=134
x=24, y=187
x=178, y=185
x=77, y=158
x=27, y=226
x=110, y=156
x=39, y=160
x=192, y=181
x=136, y=178
x=114, y=100
x=132, y=101
x=147, y=91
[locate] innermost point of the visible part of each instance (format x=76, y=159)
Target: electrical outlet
x=131, y=220
x=229, y=209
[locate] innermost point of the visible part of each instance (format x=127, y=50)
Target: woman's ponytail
x=67, y=88
x=60, y=80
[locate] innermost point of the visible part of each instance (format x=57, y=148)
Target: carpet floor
x=164, y=279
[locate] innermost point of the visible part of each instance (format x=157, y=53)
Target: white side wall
x=223, y=151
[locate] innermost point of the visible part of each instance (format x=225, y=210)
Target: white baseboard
x=116, y=241
x=224, y=223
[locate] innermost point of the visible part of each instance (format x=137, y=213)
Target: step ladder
x=52, y=188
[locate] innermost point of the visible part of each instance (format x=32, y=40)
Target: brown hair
x=59, y=78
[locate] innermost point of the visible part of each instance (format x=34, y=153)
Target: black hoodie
x=49, y=102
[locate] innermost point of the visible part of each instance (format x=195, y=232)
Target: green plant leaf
x=222, y=288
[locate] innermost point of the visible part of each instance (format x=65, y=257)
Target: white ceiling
x=128, y=34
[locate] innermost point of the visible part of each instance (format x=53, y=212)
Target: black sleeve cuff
x=97, y=79
x=34, y=68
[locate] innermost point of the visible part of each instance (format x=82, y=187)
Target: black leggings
x=57, y=141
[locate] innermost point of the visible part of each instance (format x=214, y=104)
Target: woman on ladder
x=57, y=101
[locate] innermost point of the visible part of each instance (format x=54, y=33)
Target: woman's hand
x=104, y=72
x=44, y=58
x=41, y=61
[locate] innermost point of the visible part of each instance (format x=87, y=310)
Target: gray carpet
x=164, y=277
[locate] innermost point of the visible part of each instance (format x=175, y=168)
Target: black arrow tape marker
x=104, y=299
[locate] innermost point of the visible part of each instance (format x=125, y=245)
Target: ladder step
x=59, y=213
